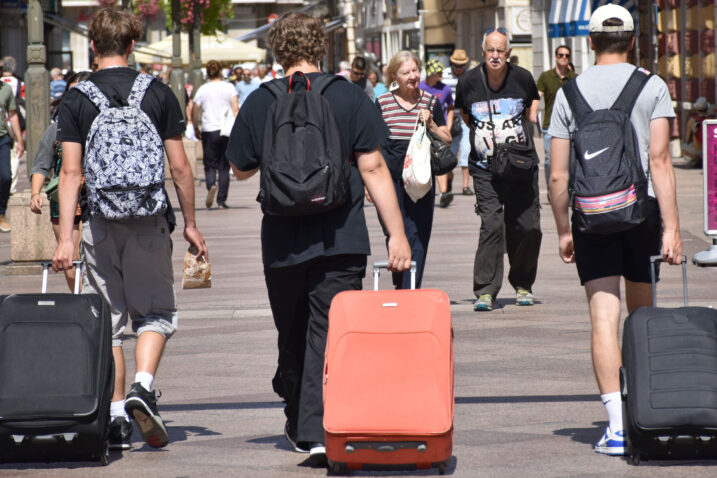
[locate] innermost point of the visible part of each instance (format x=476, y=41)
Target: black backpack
x=607, y=186
x=303, y=168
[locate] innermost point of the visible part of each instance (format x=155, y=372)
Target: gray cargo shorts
x=129, y=263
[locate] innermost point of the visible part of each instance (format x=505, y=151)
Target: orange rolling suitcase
x=388, y=379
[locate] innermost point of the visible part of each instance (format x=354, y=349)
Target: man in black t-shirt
x=500, y=116
x=128, y=262
x=309, y=259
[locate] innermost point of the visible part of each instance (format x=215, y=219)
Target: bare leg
x=604, y=301
x=466, y=177
x=637, y=294
x=150, y=346
x=118, y=355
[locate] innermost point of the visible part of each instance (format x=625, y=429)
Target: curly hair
x=297, y=37
x=112, y=30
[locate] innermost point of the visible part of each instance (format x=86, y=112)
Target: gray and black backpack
x=124, y=156
x=607, y=185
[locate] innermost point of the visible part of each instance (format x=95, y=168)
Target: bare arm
x=37, y=180
x=68, y=191
x=196, y=114
x=184, y=185
x=379, y=185
x=663, y=182
x=15, y=123
x=235, y=104
x=533, y=112
x=559, y=199
x=242, y=175
x=443, y=132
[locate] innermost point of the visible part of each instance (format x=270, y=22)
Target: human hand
x=672, y=247
x=195, y=238
x=399, y=254
x=63, y=256
x=566, y=249
x=36, y=203
x=19, y=148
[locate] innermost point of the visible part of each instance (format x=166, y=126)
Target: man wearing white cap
x=602, y=259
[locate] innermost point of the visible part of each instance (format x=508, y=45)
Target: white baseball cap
x=611, y=11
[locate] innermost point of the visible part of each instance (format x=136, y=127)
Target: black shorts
x=624, y=253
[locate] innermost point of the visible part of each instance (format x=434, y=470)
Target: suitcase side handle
x=378, y=265
x=46, y=269
x=656, y=260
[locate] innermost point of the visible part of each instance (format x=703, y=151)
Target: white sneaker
x=612, y=444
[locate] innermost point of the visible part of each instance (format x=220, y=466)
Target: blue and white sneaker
x=612, y=444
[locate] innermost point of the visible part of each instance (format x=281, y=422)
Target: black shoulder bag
x=512, y=162
x=443, y=161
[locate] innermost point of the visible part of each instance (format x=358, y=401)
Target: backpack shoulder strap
x=321, y=82
x=637, y=81
x=139, y=88
x=275, y=87
x=94, y=94
x=578, y=105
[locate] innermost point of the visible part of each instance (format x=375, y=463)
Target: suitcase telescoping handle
x=46, y=269
x=657, y=259
x=378, y=265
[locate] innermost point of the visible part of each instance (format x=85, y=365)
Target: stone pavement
x=526, y=399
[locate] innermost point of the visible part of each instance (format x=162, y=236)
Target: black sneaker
x=445, y=200
x=120, y=435
x=290, y=435
x=317, y=454
x=141, y=406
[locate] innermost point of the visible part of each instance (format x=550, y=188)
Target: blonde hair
x=397, y=61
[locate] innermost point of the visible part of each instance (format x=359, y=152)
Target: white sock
x=145, y=379
x=613, y=405
x=117, y=409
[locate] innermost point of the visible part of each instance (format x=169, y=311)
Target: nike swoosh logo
x=589, y=156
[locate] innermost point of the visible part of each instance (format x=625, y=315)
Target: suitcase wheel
x=337, y=468
x=634, y=459
x=442, y=467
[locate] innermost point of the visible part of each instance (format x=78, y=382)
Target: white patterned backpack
x=124, y=156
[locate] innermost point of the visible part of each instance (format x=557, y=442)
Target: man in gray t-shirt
x=7, y=110
x=602, y=259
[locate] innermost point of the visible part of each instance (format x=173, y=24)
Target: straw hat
x=459, y=57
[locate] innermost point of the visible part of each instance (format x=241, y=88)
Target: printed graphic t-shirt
x=507, y=110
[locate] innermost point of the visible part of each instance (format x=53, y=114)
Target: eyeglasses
x=563, y=55
x=499, y=51
x=357, y=73
x=500, y=30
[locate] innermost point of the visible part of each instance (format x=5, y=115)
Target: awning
x=65, y=24
x=570, y=18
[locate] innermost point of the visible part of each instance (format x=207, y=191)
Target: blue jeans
x=5, y=172
x=546, y=146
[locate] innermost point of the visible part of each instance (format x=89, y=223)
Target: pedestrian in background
x=379, y=87
x=8, y=109
x=357, y=75
x=47, y=159
x=216, y=99
x=460, y=144
x=401, y=109
x=509, y=212
x=549, y=82
x=434, y=86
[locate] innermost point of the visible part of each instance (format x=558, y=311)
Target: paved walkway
x=526, y=400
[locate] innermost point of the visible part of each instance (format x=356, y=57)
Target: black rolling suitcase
x=56, y=376
x=669, y=380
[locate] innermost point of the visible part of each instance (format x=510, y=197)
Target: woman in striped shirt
x=400, y=108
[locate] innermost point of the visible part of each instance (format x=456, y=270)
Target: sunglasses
x=500, y=30
x=453, y=65
x=357, y=73
x=563, y=55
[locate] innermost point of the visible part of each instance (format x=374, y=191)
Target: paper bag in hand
x=197, y=272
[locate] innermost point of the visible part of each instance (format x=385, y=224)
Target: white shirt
x=214, y=98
